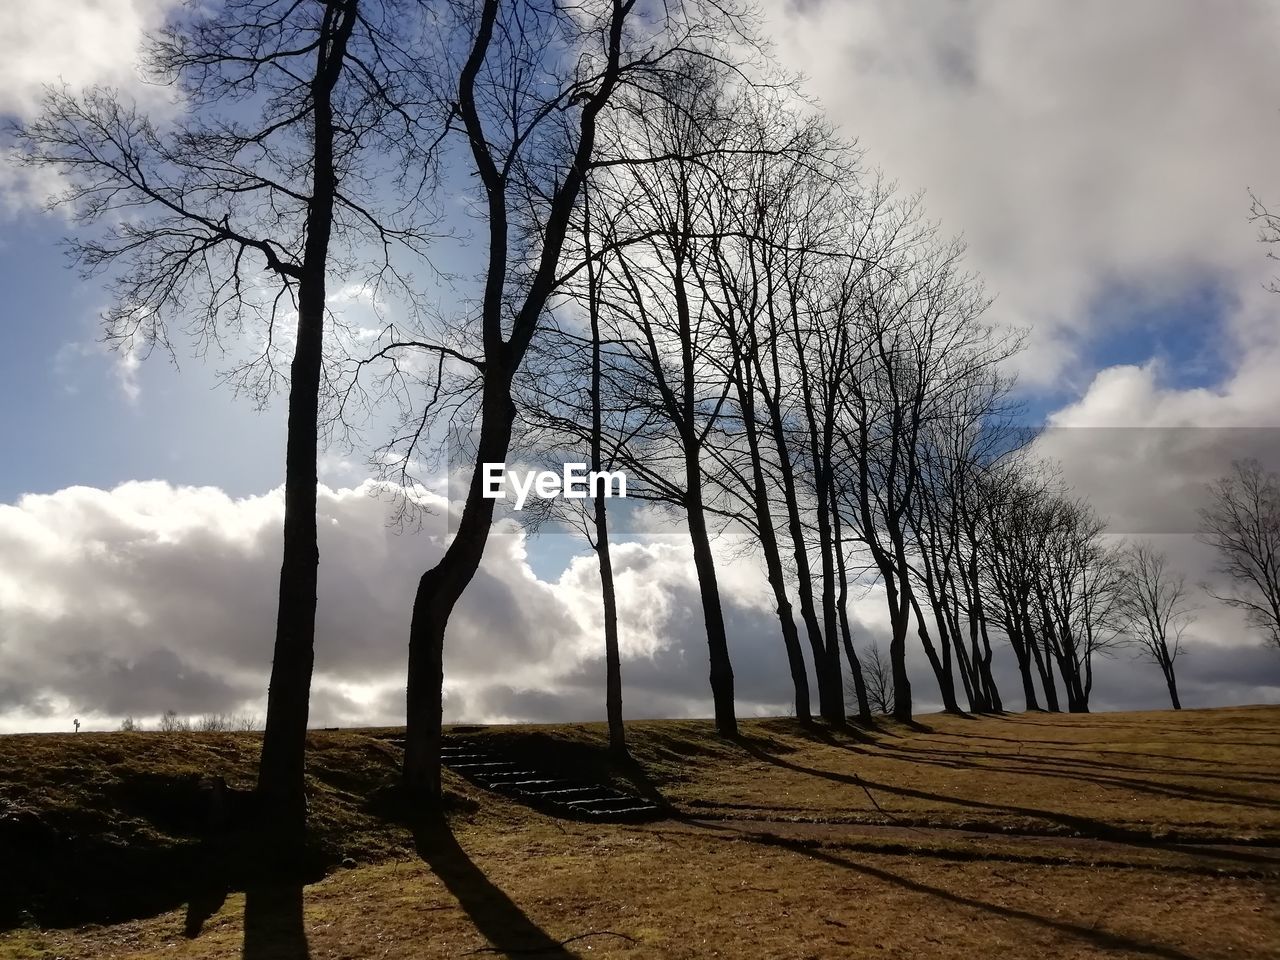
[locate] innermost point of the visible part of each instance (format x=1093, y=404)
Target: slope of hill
x=1152, y=834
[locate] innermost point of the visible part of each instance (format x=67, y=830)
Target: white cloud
x=151, y=597
x=1108, y=143
x=78, y=359
x=79, y=42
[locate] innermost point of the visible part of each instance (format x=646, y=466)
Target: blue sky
x=66, y=413
x=71, y=413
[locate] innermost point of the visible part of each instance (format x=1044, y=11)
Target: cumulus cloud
x=150, y=597
x=77, y=42
x=1079, y=151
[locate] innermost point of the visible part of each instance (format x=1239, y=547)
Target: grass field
x=1129, y=835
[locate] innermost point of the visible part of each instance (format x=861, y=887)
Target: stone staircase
x=507, y=774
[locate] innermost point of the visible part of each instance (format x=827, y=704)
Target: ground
x=1127, y=835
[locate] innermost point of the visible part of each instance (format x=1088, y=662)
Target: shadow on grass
x=1083, y=825
x=508, y=929
x=1087, y=934
x=273, y=924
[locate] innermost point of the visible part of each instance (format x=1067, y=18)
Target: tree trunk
x=832, y=705
x=994, y=700
x=901, y=682
x=612, y=658
x=1023, y=656
x=842, y=607
x=438, y=592
x=769, y=542
x=717, y=640
x=1173, y=687
x=900, y=619
x=280, y=772
x=941, y=671
x=281, y=786
x=1046, y=676
x=827, y=686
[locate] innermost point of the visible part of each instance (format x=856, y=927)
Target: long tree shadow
x=1090, y=934
x=1082, y=826
x=1036, y=765
x=1097, y=747
x=508, y=929
x=273, y=923
x=1033, y=766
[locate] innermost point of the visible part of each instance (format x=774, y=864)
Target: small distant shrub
x=245, y=722
x=130, y=725
x=170, y=722
x=214, y=723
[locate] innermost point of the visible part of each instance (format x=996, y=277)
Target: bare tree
x=170, y=722
x=1011, y=547
x=1242, y=522
x=230, y=220
x=667, y=314
x=1156, y=610
x=878, y=678
x=534, y=79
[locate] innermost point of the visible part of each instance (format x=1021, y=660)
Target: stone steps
x=562, y=796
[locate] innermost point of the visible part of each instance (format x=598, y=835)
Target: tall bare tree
x=534, y=80
x=879, y=680
x=1242, y=522
x=230, y=220
x=1156, y=609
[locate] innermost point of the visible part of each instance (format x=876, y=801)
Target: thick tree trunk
x=1023, y=656
x=438, y=592
x=280, y=772
x=281, y=785
x=900, y=620
x=712, y=613
x=1172, y=682
x=901, y=682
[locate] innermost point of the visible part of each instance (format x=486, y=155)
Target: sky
x=1096, y=156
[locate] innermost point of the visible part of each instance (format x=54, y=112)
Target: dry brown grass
x=1139, y=835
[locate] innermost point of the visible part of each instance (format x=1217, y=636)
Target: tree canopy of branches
x=1156, y=610
x=528, y=88
x=232, y=217
x=1242, y=522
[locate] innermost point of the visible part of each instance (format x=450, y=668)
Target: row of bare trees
x=683, y=273
x=310, y=142
x=770, y=341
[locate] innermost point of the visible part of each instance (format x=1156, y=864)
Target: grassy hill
x=1142, y=834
